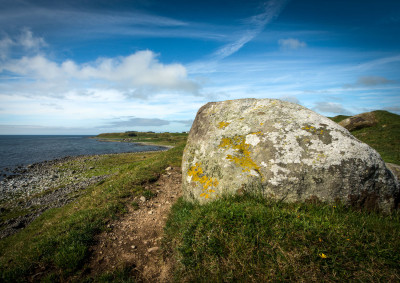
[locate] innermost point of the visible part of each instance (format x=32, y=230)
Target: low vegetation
x=248, y=238
x=242, y=238
x=384, y=137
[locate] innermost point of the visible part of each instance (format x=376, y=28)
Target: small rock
x=142, y=199
x=168, y=168
x=150, y=212
x=153, y=249
x=133, y=247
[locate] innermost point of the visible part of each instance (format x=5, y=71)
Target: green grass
x=339, y=118
x=384, y=137
x=146, y=137
x=247, y=239
x=58, y=241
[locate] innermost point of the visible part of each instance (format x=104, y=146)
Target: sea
x=22, y=150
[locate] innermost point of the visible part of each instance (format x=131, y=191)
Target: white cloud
x=141, y=70
x=25, y=41
x=331, y=107
x=291, y=43
x=28, y=41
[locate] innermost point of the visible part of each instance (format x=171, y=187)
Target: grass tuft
x=248, y=238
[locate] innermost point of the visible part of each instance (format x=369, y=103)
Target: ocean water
x=24, y=150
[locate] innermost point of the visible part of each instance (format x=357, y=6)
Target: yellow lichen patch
x=321, y=156
x=312, y=130
x=223, y=125
x=242, y=156
x=196, y=172
x=257, y=133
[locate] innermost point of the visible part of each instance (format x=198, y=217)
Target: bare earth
x=135, y=240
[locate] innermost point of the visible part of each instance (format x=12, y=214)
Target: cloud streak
x=138, y=122
x=369, y=81
x=256, y=24
x=378, y=62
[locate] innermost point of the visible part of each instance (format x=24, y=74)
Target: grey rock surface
x=284, y=151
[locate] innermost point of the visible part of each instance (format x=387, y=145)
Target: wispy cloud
x=44, y=130
x=369, y=81
x=101, y=23
x=256, y=24
x=144, y=122
x=331, y=107
x=378, y=62
x=187, y=123
x=24, y=41
x=291, y=43
x=137, y=122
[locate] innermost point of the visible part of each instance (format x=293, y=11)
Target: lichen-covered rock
x=281, y=150
x=359, y=121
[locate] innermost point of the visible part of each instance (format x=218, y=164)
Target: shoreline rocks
x=39, y=187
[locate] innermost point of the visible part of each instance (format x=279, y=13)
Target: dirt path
x=135, y=240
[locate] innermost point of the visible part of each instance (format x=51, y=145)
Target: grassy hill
x=384, y=137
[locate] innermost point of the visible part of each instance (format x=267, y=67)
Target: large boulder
x=284, y=151
x=360, y=121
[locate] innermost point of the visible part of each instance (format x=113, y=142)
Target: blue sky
x=86, y=67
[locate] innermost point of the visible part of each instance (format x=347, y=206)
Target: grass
x=248, y=238
x=57, y=243
x=384, y=137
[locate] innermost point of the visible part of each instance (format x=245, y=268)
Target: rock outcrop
x=284, y=151
x=359, y=121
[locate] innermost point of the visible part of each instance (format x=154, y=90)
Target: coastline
x=11, y=171
x=130, y=141
x=35, y=188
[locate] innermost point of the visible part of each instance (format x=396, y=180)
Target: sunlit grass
x=248, y=238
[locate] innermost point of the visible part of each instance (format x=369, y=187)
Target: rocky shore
x=31, y=190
